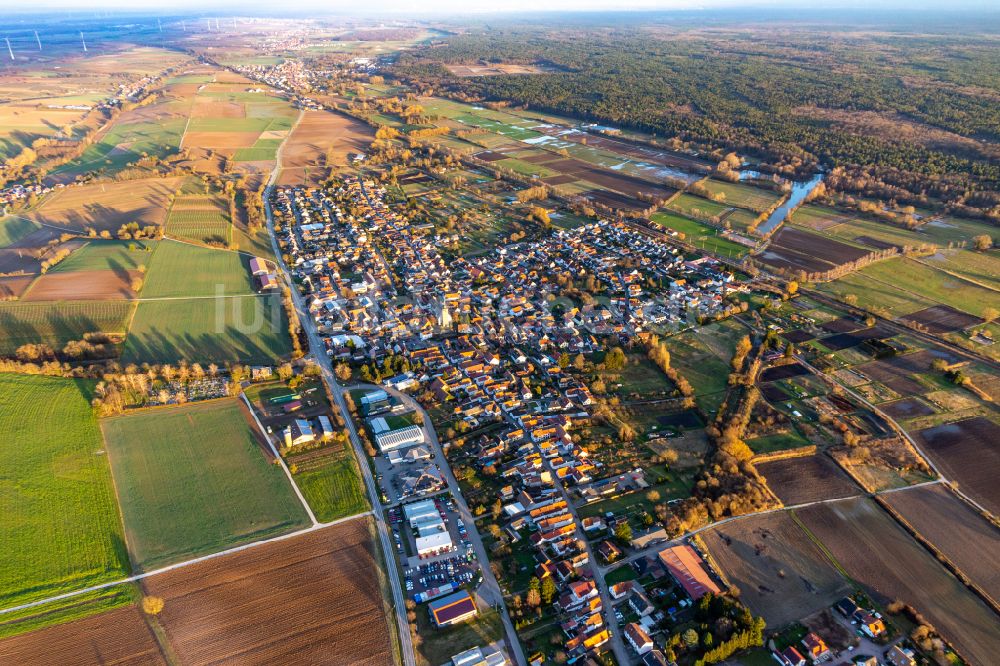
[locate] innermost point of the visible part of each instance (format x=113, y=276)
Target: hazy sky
x=465, y=6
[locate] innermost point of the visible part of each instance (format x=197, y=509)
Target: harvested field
x=783, y=372
x=940, y=319
x=222, y=141
x=88, y=286
x=907, y=408
x=14, y=287
x=321, y=140
x=107, y=206
x=877, y=553
x=798, y=336
x=491, y=156
x=616, y=201
x=841, y=325
x=796, y=250
x=807, y=479
x=782, y=575
x=842, y=341
x=968, y=452
x=961, y=533
x=314, y=598
x=498, y=69
x=895, y=378
x=119, y=636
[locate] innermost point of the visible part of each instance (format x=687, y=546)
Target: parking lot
x=458, y=566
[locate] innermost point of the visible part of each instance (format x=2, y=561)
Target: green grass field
x=56, y=323
x=330, y=482
x=251, y=329
x=153, y=138
x=193, y=480
x=179, y=269
x=13, y=229
x=902, y=285
x=743, y=196
x=62, y=530
x=689, y=204
x=103, y=255
x=699, y=235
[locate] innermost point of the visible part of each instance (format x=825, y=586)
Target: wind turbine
x=38, y=40
x=158, y=26
x=9, y=50
x=84, y=41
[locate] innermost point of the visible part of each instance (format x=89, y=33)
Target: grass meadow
x=193, y=480
x=330, y=481
x=250, y=329
x=62, y=529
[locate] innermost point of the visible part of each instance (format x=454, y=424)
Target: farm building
x=484, y=656
x=453, y=609
x=688, y=569
x=258, y=267
x=298, y=433
x=400, y=438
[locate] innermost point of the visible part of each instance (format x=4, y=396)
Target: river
x=800, y=190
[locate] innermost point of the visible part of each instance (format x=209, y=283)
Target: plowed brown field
x=878, y=554
x=310, y=599
x=118, y=637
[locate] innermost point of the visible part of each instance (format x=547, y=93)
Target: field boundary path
x=281, y=461
x=186, y=563
x=316, y=346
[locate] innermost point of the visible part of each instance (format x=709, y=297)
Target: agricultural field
x=184, y=270
x=781, y=574
x=107, y=206
x=250, y=329
x=330, y=481
x=796, y=251
x=956, y=529
x=123, y=143
x=119, y=636
x=806, y=479
x=966, y=452
x=58, y=322
x=62, y=530
x=699, y=234
x=104, y=255
x=925, y=283
x=873, y=550
x=193, y=480
x=200, y=218
x=742, y=195
x=313, y=598
x=320, y=141
x=14, y=228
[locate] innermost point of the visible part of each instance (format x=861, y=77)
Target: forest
x=916, y=112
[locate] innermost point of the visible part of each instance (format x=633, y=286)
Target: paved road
x=490, y=589
x=323, y=360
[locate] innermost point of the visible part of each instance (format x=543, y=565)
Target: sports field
x=56, y=323
x=193, y=480
x=180, y=269
x=251, y=329
x=330, y=481
x=62, y=530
